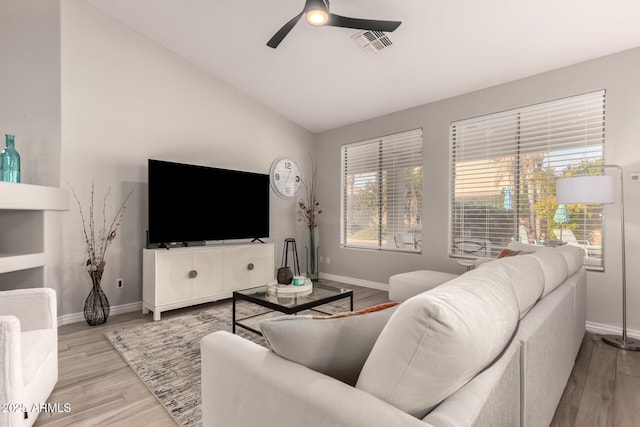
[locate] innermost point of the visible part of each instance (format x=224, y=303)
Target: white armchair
x=28, y=353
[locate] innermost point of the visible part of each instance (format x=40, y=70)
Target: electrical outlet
x=320, y=258
x=120, y=283
x=328, y=260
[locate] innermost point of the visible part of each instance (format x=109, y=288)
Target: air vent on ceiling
x=372, y=42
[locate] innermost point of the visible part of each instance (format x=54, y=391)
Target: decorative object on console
x=600, y=189
x=285, y=273
x=10, y=161
x=286, y=177
x=286, y=291
x=96, y=306
x=309, y=210
x=313, y=250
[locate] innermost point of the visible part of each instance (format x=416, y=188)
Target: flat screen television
x=191, y=203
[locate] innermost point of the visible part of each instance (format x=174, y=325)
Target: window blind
x=382, y=193
x=503, y=172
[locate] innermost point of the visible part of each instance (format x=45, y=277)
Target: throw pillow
x=508, y=252
x=439, y=340
x=371, y=309
x=335, y=345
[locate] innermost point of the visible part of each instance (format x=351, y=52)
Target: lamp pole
x=621, y=342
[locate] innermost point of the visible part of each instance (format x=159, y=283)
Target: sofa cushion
x=573, y=255
x=36, y=346
x=437, y=341
x=557, y=263
x=554, y=266
x=335, y=345
x=527, y=279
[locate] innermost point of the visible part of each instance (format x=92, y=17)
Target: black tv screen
x=190, y=203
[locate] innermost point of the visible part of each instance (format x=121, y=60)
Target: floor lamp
x=600, y=189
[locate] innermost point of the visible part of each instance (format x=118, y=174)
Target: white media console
x=180, y=277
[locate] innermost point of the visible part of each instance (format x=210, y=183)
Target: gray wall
x=90, y=100
x=30, y=86
x=30, y=109
x=618, y=74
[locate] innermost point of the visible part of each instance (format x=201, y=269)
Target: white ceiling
x=320, y=78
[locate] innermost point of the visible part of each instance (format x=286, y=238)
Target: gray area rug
x=166, y=354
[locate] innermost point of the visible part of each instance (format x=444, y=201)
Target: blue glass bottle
x=10, y=161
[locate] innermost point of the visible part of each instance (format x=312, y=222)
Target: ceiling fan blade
x=362, y=24
x=282, y=32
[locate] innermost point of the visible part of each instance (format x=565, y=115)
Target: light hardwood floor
x=604, y=388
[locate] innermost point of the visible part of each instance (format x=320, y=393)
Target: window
x=382, y=193
x=503, y=173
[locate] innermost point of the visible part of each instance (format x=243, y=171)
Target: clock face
x=286, y=177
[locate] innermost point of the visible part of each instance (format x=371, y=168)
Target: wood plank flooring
x=603, y=390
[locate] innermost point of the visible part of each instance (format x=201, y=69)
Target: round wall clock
x=286, y=177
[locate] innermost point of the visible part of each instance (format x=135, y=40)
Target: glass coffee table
x=289, y=303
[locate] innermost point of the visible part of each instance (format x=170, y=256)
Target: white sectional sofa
x=492, y=347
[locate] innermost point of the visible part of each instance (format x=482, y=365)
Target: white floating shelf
x=33, y=197
x=11, y=262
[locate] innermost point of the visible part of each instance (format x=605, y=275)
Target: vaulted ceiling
x=320, y=78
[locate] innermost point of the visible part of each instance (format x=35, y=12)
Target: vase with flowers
x=98, y=238
x=309, y=211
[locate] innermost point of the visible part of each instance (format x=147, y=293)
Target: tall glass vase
x=10, y=161
x=312, y=246
x=96, y=306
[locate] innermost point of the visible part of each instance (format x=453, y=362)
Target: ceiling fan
x=317, y=13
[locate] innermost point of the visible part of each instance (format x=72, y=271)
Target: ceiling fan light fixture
x=317, y=17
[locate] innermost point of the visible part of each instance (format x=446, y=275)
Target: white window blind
x=382, y=193
x=503, y=173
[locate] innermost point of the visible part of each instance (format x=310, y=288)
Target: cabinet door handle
x=250, y=266
x=193, y=274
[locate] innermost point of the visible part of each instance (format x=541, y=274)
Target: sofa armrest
x=11, y=383
x=249, y=385
x=547, y=337
x=35, y=308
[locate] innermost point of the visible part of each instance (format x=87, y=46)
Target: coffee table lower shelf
x=252, y=323
x=304, y=304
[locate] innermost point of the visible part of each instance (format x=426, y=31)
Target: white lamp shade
x=585, y=189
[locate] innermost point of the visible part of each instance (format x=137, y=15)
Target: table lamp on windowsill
x=600, y=189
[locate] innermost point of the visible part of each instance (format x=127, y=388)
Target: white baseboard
x=602, y=329
x=357, y=282
x=67, y=319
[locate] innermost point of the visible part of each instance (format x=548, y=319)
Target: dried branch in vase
x=310, y=207
x=99, y=240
